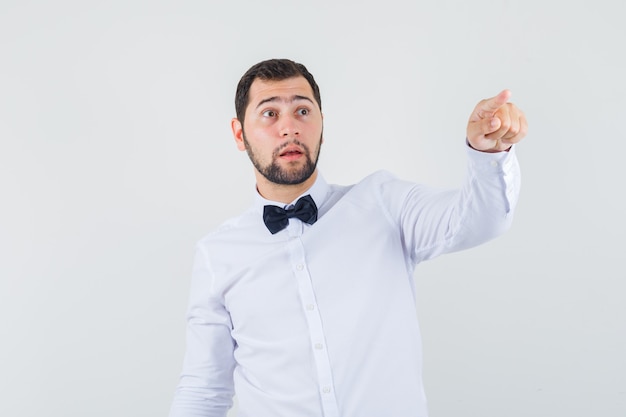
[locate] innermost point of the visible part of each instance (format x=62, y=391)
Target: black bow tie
x=277, y=218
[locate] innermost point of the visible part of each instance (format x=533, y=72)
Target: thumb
x=491, y=125
x=481, y=128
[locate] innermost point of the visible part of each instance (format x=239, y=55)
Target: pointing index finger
x=488, y=107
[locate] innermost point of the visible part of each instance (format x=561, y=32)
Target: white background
x=116, y=157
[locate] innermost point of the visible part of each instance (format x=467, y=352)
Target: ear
x=237, y=129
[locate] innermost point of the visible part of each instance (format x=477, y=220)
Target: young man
x=304, y=305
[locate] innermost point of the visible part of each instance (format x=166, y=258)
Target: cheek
x=261, y=149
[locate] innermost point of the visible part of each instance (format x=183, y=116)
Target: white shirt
x=320, y=320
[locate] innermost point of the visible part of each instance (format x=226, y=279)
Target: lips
x=291, y=152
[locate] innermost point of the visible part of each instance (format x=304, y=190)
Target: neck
x=282, y=193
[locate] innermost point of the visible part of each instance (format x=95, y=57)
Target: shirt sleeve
x=435, y=221
x=206, y=384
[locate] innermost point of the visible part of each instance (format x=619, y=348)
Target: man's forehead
x=261, y=90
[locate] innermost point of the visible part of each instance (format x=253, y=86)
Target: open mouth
x=291, y=153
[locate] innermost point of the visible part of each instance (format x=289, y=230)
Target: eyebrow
x=288, y=100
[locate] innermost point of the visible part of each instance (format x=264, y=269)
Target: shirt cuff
x=497, y=162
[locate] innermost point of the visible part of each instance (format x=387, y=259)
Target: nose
x=289, y=127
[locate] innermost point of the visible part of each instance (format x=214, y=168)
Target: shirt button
x=299, y=267
x=494, y=163
x=319, y=346
x=310, y=307
x=326, y=390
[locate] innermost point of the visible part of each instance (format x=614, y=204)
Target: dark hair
x=271, y=70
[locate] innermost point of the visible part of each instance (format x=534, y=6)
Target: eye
x=269, y=113
x=303, y=112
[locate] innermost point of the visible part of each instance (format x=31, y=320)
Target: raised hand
x=495, y=124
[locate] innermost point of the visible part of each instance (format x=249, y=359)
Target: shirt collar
x=318, y=191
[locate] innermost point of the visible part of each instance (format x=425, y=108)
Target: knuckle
x=523, y=130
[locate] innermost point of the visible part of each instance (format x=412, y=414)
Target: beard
x=276, y=174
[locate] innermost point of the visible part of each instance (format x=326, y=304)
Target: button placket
x=315, y=327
